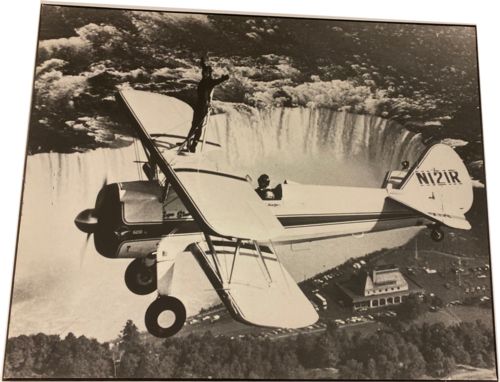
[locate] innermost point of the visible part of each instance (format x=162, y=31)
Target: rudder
x=438, y=186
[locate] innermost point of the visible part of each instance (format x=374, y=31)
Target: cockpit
x=267, y=193
x=275, y=193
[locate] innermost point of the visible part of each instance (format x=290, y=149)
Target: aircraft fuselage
x=134, y=216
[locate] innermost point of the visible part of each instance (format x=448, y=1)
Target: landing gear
x=140, y=276
x=437, y=234
x=165, y=316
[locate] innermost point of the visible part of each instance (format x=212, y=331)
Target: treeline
x=415, y=352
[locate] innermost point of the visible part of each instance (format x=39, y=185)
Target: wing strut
x=262, y=262
x=236, y=253
x=214, y=255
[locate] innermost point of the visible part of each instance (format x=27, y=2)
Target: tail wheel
x=165, y=316
x=140, y=278
x=437, y=234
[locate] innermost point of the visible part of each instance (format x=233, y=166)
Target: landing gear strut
x=165, y=316
x=140, y=276
x=437, y=234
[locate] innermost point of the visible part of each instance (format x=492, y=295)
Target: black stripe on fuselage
x=288, y=221
x=314, y=220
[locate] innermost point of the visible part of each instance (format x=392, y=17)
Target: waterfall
x=314, y=145
x=63, y=285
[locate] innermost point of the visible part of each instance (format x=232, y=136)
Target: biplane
x=190, y=205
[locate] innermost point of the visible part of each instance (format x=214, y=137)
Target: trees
x=439, y=365
x=411, y=307
x=133, y=351
x=325, y=352
x=352, y=369
x=409, y=354
x=413, y=363
x=371, y=369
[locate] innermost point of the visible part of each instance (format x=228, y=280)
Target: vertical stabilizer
x=438, y=186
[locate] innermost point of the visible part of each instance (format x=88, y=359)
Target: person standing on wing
x=205, y=91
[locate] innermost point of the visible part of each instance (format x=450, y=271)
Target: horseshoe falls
x=318, y=146
x=62, y=285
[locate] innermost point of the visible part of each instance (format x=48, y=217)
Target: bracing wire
x=137, y=159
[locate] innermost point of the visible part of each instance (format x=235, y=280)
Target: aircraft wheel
x=437, y=234
x=139, y=278
x=165, y=316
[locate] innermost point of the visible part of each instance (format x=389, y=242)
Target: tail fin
x=438, y=186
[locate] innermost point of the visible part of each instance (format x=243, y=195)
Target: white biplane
x=190, y=205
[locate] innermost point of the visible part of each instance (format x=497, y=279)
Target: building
x=384, y=285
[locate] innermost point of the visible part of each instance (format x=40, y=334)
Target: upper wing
x=222, y=204
x=167, y=120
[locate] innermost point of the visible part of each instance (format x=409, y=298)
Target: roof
x=384, y=277
x=381, y=267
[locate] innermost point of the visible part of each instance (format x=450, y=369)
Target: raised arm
x=217, y=81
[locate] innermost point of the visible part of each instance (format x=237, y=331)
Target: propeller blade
x=83, y=251
x=104, y=182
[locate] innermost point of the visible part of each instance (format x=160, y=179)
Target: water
x=63, y=285
x=315, y=145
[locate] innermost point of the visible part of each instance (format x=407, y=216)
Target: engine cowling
x=130, y=218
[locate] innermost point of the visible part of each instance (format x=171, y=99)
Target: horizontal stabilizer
x=453, y=221
x=438, y=186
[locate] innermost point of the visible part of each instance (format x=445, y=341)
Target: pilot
x=263, y=190
x=205, y=91
x=405, y=165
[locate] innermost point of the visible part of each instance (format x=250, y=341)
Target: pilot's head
x=263, y=181
x=405, y=164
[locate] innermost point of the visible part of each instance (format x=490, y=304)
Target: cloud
x=54, y=89
x=90, y=36
x=103, y=37
x=151, y=23
x=63, y=47
x=51, y=64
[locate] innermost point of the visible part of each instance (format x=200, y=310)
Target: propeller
x=87, y=221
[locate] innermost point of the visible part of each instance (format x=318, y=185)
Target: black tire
x=437, y=234
x=139, y=278
x=160, y=305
